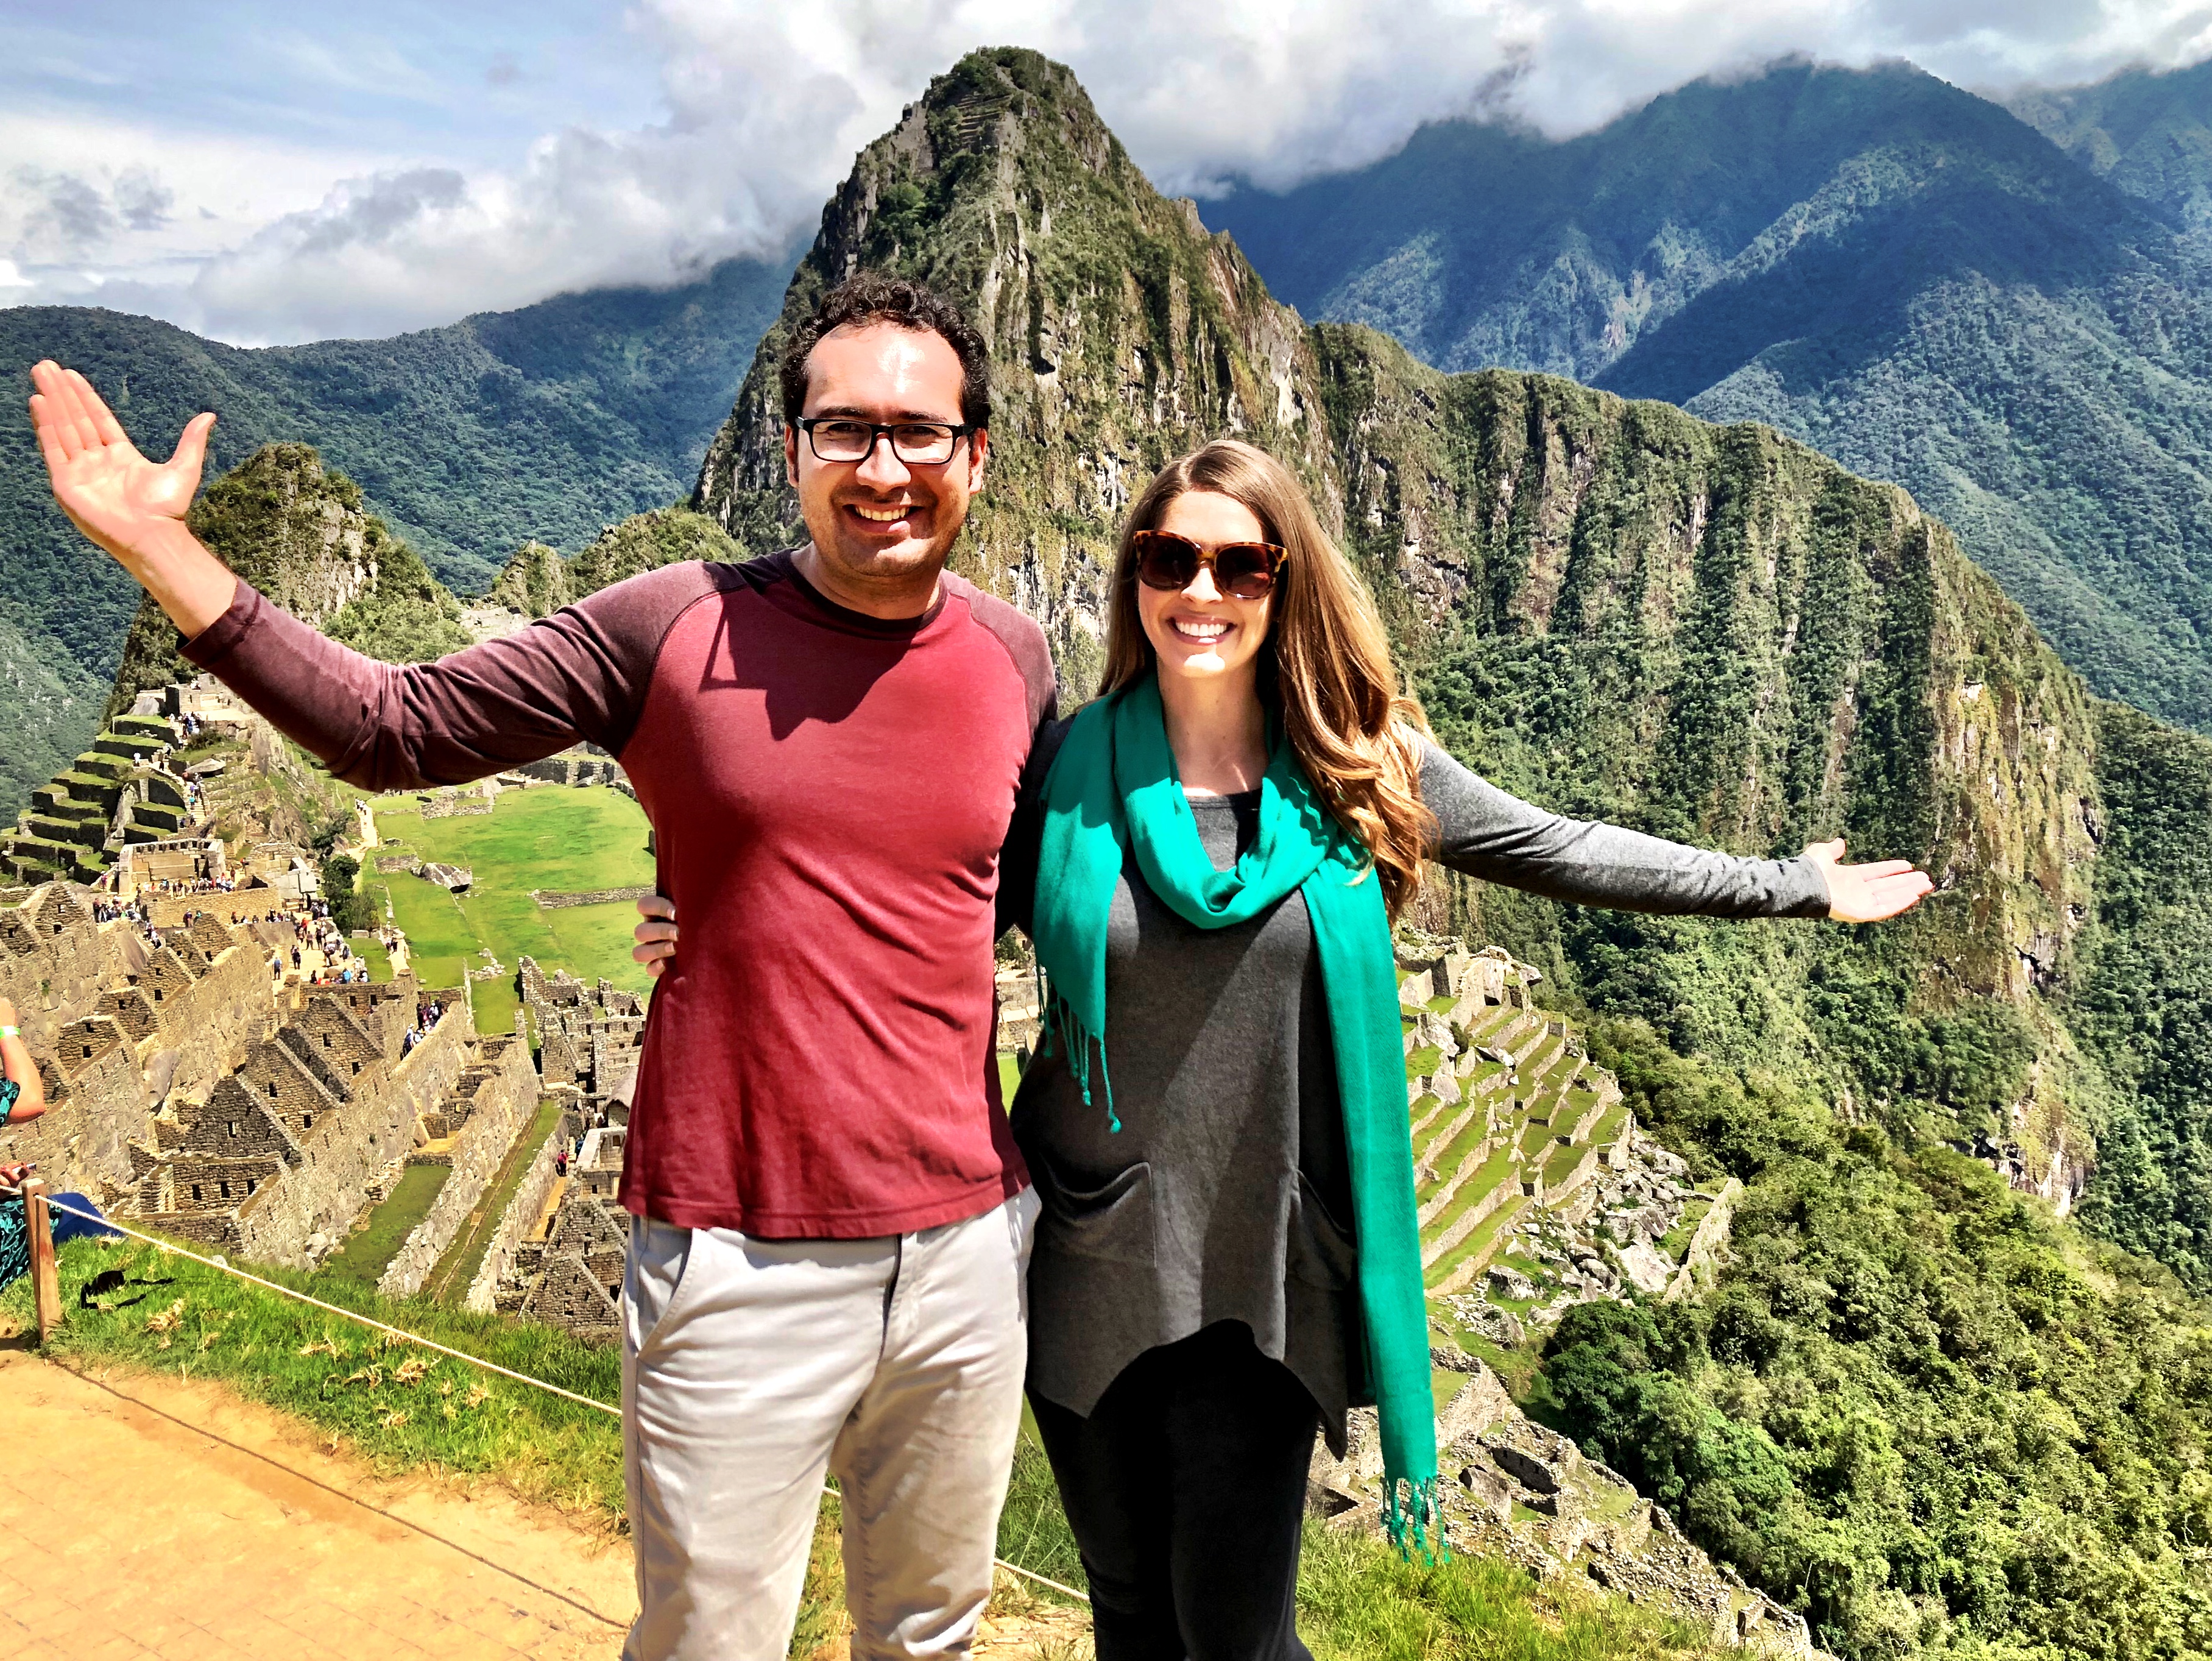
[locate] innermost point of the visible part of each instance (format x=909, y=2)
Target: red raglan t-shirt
x=828, y=792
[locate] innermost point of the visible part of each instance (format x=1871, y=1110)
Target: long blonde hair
x=1325, y=669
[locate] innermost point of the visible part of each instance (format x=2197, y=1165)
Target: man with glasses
x=829, y=1221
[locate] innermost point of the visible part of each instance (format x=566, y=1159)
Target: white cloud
x=765, y=106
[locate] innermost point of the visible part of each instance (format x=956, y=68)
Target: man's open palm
x=115, y=495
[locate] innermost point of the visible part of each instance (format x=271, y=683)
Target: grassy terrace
x=368, y=1252
x=1494, y=1170
x=552, y=838
x=1560, y=1163
x=1608, y=1128
x=1461, y=1147
x=450, y=1280
x=1479, y=1244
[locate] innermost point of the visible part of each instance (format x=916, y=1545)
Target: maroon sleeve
x=1024, y=644
x=580, y=674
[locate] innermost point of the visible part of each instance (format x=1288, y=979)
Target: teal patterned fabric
x=15, y=1226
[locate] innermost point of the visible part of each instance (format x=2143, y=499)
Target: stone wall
x=499, y=1105
x=521, y=1217
x=593, y=897
x=209, y=1021
x=55, y=961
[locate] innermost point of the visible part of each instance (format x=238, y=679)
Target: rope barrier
x=459, y=1355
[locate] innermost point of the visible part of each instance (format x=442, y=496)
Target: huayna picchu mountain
x=1712, y=632
x=1720, y=634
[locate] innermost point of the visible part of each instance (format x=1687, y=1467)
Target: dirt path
x=144, y=1517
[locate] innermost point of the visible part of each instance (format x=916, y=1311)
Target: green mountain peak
x=1121, y=333
x=303, y=537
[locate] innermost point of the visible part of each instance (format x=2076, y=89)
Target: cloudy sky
x=280, y=170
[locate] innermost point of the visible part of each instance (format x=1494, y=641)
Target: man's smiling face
x=882, y=527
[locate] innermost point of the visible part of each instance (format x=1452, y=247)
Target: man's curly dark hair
x=872, y=297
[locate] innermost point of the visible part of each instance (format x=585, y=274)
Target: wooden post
x=45, y=1284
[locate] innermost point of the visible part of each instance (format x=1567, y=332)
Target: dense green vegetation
x=1904, y=275
x=2143, y=1001
x=537, y=582
x=1915, y=1406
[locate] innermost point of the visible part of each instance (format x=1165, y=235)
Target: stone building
x=588, y=1038
x=195, y=1084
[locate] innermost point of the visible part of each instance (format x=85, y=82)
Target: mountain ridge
x=547, y=423
x=1909, y=277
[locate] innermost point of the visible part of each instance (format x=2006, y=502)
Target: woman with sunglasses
x=1209, y=857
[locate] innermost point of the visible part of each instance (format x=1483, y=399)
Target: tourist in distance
x=831, y=1220
x=1208, y=858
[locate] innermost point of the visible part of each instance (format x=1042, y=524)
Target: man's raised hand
x=131, y=506
x=1869, y=893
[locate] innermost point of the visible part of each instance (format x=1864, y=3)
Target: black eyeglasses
x=1241, y=570
x=917, y=443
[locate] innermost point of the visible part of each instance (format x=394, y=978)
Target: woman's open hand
x=1865, y=893
x=656, y=936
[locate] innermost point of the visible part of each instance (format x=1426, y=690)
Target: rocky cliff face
x=1711, y=632
x=301, y=535
x=1121, y=333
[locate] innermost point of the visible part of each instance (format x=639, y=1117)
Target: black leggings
x=1186, y=1487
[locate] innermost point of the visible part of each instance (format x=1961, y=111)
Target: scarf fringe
x=1059, y=1024
x=1413, y=1519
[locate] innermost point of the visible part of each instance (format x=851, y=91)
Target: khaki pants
x=751, y=1367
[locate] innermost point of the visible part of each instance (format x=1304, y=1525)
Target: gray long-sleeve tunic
x=1226, y=1195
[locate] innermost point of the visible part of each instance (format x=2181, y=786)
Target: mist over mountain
x=1909, y=278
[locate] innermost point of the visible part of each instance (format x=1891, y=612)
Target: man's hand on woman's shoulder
x=1870, y=892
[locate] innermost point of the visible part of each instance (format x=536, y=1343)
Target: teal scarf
x=1113, y=789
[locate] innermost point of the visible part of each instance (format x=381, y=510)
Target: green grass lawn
x=368, y=1252
x=1477, y=1242
x=555, y=839
x=373, y=953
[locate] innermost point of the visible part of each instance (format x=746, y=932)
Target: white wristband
x=9, y=1032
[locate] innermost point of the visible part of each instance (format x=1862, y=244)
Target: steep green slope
x=1904, y=276
x=1914, y=1407
x=49, y=706
x=303, y=537
x=2150, y=134
x=1717, y=635
x=2143, y=1003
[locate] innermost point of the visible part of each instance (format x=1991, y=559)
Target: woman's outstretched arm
x=1487, y=833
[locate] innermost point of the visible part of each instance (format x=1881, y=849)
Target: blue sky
x=264, y=172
